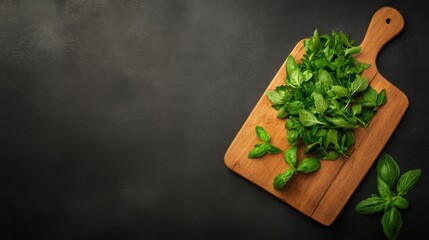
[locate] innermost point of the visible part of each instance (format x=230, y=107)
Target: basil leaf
x=392, y=223
x=281, y=179
x=282, y=112
x=262, y=134
x=310, y=146
x=356, y=109
x=388, y=169
x=371, y=205
x=290, y=156
x=325, y=78
x=352, y=50
x=308, y=165
x=319, y=102
x=342, y=123
x=258, y=151
x=306, y=75
x=293, y=72
x=381, y=98
x=340, y=91
x=292, y=123
x=271, y=149
x=276, y=98
x=408, y=181
x=369, y=98
x=261, y=149
x=292, y=136
x=314, y=47
x=332, y=155
x=366, y=115
x=383, y=188
x=308, y=119
x=332, y=137
x=358, y=85
x=294, y=107
x=400, y=202
x=350, y=138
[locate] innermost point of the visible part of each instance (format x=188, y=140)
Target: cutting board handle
x=386, y=23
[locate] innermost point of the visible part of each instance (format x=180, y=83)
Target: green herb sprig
x=307, y=165
x=387, y=201
x=261, y=149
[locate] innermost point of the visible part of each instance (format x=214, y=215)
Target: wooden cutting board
x=321, y=195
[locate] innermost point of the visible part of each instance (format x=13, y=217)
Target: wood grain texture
x=323, y=194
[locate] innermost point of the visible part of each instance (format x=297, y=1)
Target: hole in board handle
x=388, y=20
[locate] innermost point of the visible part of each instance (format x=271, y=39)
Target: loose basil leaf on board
x=261, y=149
x=392, y=223
x=272, y=149
x=308, y=165
x=408, y=181
x=401, y=202
x=381, y=98
x=371, y=205
x=281, y=179
x=369, y=98
x=290, y=156
x=262, y=134
x=258, y=151
x=388, y=169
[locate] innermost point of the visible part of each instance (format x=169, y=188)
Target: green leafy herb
x=281, y=179
x=262, y=134
x=290, y=156
x=319, y=102
x=392, y=223
x=388, y=169
x=261, y=149
x=307, y=165
x=325, y=91
x=401, y=202
x=308, y=119
x=371, y=205
x=389, y=202
x=408, y=181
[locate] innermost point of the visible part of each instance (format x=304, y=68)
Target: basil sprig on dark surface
x=388, y=202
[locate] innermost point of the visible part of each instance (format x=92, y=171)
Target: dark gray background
x=115, y=116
